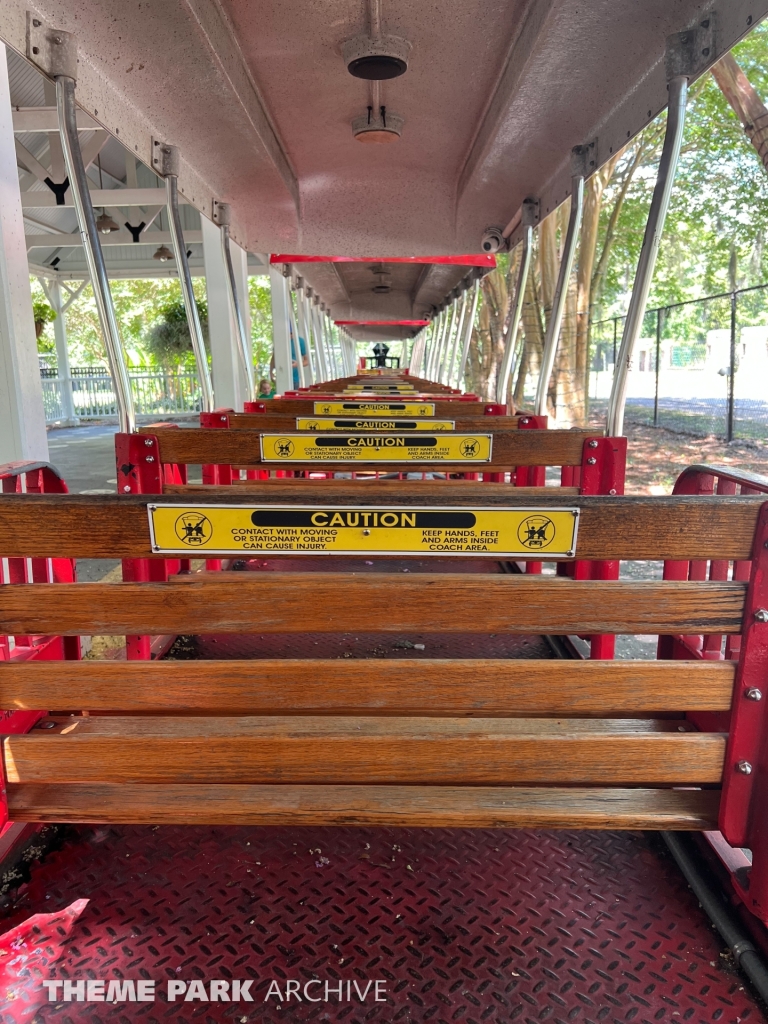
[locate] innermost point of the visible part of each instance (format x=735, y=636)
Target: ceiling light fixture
x=382, y=128
x=163, y=254
x=376, y=60
x=105, y=224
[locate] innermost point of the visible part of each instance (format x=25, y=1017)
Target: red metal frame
x=139, y=471
x=381, y=323
x=32, y=478
x=744, y=804
x=474, y=260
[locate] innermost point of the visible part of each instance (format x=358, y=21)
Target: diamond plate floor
x=463, y=926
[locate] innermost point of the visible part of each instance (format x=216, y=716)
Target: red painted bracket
x=744, y=804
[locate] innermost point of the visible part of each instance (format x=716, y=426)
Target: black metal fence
x=699, y=367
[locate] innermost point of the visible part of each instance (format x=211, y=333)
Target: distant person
x=294, y=363
x=380, y=350
x=266, y=389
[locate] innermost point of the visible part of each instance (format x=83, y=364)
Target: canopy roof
x=259, y=101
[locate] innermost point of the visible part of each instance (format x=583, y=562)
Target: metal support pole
x=170, y=168
x=458, y=335
x=732, y=373
x=317, y=330
x=295, y=343
x=658, y=354
x=510, y=343
x=437, y=345
x=281, y=336
x=81, y=197
x=303, y=328
x=442, y=369
x=470, y=324
x=561, y=291
x=244, y=347
x=678, y=93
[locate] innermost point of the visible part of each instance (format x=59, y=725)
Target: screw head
x=150, y=458
x=753, y=693
x=366, y=533
x=127, y=488
x=148, y=442
x=524, y=420
x=47, y=725
x=744, y=767
x=592, y=444
x=591, y=461
x=612, y=490
x=761, y=615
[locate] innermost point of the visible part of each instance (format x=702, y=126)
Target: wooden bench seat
x=481, y=742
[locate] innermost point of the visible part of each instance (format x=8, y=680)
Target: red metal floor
x=467, y=926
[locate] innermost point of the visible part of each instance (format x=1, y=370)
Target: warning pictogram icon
x=284, y=447
x=469, y=447
x=536, y=532
x=194, y=529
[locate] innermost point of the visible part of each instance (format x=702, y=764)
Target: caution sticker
x=372, y=423
x=393, y=448
x=540, y=533
x=374, y=408
x=379, y=387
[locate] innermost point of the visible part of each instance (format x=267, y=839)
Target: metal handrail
x=740, y=476
x=510, y=344
x=561, y=291
x=86, y=220
x=190, y=304
x=670, y=155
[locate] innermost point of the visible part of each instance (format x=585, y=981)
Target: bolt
x=150, y=458
x=524, y=420
x=591, y=461
x=127, y=488
x=149, y=442
x=761, y=615
x=753, y=693
x=366, y=533
x=744, y=767
x=36, y=23
x=47, y=725
x=592, y=444
x=223, y=419
x=612, y=490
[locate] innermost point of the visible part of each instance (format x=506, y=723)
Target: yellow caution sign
x=372, y=423
x=537, y=533
x=379, y=387
x=461, y=448
x=381, y=408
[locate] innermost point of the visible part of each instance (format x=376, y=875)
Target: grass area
x=656, y=457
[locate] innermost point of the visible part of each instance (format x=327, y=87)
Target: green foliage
x=717, y=224
x=42, y=312
x=168, y=341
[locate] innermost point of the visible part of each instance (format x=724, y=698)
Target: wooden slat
x=270, y=424
x=364, y=751
x=241, y=448
x=337, y=602
x=471, y=686
x=416, y=806
x=443, y=409
x=52, y=525
x=387, y=490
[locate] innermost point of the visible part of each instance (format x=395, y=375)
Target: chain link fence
x=699, y=367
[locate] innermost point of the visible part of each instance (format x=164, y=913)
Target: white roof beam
x=99, y=197
x=45, y=119
x=73, y=241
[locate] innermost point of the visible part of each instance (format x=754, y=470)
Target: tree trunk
x=746, y=103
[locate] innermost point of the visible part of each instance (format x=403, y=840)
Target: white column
x=22, y=416
x=281, y=337
x=240, y=265
x=62, y=354
x=228, y=377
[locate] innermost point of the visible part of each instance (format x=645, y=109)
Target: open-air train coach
x=367, y=749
